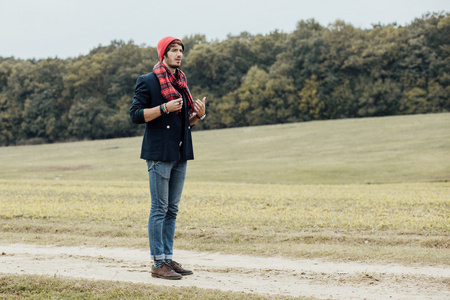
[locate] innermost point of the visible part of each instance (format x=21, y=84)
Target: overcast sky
x=68, y=28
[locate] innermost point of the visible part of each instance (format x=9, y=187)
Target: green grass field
x=352, y=151
x=372, y=190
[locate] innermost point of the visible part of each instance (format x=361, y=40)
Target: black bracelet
x=161, y=109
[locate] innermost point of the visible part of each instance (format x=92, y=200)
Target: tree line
x=313, y=73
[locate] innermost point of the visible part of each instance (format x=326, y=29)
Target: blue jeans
x=166, y=180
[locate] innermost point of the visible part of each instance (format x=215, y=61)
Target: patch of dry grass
x=46, y=287
x=406, y=222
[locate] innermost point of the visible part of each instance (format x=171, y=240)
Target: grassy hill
x=412, y=148
x=95, y=193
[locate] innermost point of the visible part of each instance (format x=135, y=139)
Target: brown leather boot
x=177, y=268
x=165, y=272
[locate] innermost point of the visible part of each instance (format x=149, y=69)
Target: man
x=163, y=102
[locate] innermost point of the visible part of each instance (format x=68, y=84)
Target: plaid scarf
x=171, y=85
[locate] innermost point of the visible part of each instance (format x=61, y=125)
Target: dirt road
x=267, y=276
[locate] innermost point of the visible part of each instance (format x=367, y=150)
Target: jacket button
x=189, y=127
x=168, y=126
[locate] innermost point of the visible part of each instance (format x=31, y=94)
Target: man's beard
x=174, y=65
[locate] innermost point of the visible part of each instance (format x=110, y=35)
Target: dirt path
x=314, y=278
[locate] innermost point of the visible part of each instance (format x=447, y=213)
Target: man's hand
x=200, y=107
x=175, y=105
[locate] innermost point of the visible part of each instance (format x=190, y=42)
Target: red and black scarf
x=171, y=85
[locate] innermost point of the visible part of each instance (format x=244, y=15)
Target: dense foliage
x=313, y=73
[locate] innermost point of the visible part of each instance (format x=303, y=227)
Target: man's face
x=173, y=57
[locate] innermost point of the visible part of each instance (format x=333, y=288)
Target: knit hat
x=163, y=43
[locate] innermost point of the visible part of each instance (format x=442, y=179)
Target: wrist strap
x=165, y=108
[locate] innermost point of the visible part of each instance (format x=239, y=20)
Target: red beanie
x=163, y=43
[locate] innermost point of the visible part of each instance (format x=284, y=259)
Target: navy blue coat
x=162, y=135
